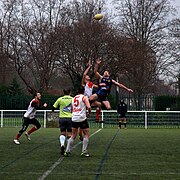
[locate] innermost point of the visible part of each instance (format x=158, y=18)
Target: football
x=98, y=16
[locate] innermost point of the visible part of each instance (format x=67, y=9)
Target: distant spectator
x=122, y=110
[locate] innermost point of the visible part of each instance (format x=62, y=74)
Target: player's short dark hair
x=35, y=94
x=80, y=90
x=67, y=91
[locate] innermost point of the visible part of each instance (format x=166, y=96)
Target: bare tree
x=31, y=40
x=173, y=69
x=144, y=23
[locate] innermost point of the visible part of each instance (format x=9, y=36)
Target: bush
x=163, y=102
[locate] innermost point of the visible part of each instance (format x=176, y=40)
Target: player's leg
x=98, y=110
x=120, y=122
x=75, y=126
x=36, y=126
x=62, y=137
x=107, y=104
x=22, y=130
x=69, y=131
x=85, y=128
x=80, y=134
x=93, y=97
x=125, y=122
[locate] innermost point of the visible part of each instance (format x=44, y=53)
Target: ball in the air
x=98, y=16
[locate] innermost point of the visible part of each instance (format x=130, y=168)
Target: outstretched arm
x=98, y=61
x=85, y=73
x=122, y=86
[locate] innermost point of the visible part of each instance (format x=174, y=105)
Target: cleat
x=62, y=150
x=67, y=154
x=85, y=154
x=81, y=138
x=28, y=136
x=16, y=142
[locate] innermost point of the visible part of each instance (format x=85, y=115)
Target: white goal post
x=109, y=118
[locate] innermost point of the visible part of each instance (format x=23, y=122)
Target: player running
x=29, y=118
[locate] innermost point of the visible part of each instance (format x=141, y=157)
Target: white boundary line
x=46, y=173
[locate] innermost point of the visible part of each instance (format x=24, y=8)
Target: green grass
x=115, y=154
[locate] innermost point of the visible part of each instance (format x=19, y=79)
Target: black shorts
x=65, y=124
x=34, y=121
x=102, y=97
x=83, y=125
x=122, y=115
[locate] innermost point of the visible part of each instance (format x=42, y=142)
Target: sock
x=69, y=145
x=32, y=130
x=85, y=144
x=18, y=136
x=62, y=139
x=98, y=113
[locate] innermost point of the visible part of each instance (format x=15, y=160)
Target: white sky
x=176, y=3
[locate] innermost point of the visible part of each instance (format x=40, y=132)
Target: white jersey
x=31, y=111
x=78, y=108
x=88, y=89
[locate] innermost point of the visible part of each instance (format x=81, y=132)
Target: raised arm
x=98, y=61
x=85, y=73
x=122, y=86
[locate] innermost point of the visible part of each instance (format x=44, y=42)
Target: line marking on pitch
x=105, y=155
x=46, y=173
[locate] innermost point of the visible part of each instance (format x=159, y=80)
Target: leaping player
x=105, y=84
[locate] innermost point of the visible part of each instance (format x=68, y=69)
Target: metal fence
x=110, y=119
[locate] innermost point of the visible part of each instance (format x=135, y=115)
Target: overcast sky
x=177, y=5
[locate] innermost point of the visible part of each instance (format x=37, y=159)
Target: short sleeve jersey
x=79, y=108
x=64, y=105
x=31, y=111
x=88, y=89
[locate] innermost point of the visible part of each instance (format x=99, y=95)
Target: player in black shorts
x=122, y=110
x=29, y=118
x=105, y=84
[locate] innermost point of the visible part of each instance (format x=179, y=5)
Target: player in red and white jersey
x=88, y=86
x=80, y=104
x=29, y=118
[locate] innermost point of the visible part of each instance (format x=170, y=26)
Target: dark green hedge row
x=20, y=102
x=9, y=102
x=164, y=102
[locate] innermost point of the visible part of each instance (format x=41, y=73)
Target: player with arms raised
x=105, y=84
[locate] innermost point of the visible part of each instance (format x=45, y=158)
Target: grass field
x=115, y=154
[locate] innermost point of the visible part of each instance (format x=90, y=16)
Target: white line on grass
x=46, y=173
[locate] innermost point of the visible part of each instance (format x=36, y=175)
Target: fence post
x=145, y=123
x=102, y=124
x=1, y=118
x=45, y=118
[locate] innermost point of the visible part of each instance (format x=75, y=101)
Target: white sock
x=62, y=139
x=85, y=144
x=69, y=145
